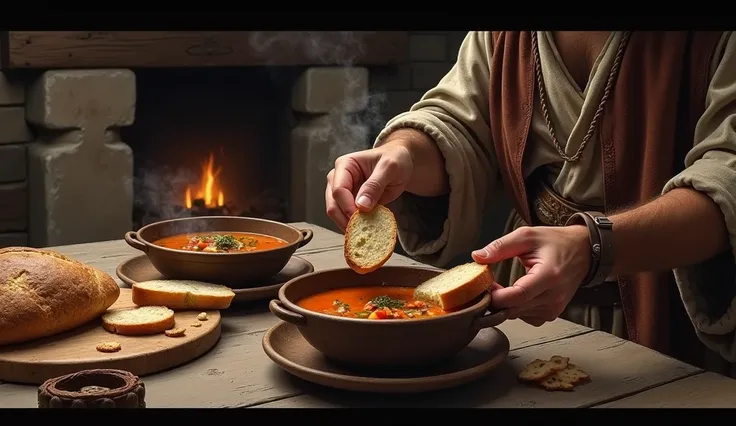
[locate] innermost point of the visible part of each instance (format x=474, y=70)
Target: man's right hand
x=365, y=178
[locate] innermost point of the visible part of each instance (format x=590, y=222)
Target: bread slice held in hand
x=370, y=239
x=140, y=321
x=182, y=294
x=456, y=287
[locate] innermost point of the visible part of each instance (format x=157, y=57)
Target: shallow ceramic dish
x=225, y=268
x=365, y=342
x=138, y=269
x=287, y=348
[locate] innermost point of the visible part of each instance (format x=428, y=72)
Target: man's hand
x=556, y=261
x=363, y=179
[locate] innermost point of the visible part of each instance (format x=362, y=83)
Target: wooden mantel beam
x=134, y=49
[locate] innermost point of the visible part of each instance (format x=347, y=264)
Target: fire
x=209, y=190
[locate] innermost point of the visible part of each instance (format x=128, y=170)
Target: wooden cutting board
x=35, y=362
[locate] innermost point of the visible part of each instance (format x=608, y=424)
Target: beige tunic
x=455, y=114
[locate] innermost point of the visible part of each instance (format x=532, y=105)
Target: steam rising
x=158, y=193
x=346, y=131
x=347, y=128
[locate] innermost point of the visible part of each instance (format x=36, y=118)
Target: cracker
x=565, y=380
x=109, y=347
x=176, y=332
x=573, y=375
x=539, y=369
x=196, y=324
x=555, y=382
x=202, y=316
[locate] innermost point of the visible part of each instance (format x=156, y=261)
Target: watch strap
x=600, y=230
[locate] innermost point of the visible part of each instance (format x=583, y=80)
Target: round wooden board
x=39, y=360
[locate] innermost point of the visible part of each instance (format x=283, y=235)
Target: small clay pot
x=101, y=388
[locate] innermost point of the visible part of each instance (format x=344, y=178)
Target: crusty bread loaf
x=456, y=287
x=43, y=293
x=182, y=294
x=140, y=321
x=370, y=239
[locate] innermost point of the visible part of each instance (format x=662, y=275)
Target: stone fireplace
x=102, y=132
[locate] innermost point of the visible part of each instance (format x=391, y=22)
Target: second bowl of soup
x=373, y=319
x=230, y=250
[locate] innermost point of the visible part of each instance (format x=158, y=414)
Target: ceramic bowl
x=394, y=342
x=226, y=268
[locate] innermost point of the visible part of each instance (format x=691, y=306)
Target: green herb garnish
x=341, y=307
x=387, y=302
x=247, y=241
x=226, y=242
x=362, y=314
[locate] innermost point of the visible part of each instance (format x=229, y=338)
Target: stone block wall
x=14, y=138
x=431, y=55
x=66, y=176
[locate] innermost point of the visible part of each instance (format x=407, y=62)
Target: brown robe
x=647, y=128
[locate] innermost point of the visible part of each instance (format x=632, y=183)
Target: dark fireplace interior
x=236, y=119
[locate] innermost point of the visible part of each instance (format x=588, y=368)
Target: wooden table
x=236, y=372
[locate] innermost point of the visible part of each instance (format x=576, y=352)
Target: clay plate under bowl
x=229, y=269
x=289, y=350
x=139, y=269
x=391, y=342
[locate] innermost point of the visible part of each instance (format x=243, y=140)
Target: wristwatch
x=600, y=229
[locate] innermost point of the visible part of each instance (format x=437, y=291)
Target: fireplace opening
x=211, y=141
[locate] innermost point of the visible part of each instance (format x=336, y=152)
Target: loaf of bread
x=456, y=287
x=370, y=239
x=43, y=293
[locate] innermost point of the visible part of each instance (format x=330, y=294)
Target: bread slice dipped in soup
x=449, y=291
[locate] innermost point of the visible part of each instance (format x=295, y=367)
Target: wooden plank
x=236, y=373
x=617, y=367
x=706, y=390
x=13, y=207
x=131, y=49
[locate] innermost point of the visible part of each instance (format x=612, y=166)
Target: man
x=619, y=152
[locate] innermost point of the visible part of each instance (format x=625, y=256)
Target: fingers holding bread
x=370, y=239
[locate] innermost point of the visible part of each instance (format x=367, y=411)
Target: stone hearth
x=66, y=176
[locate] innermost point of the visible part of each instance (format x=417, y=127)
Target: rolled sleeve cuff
x=427, y=225
x=708, y=289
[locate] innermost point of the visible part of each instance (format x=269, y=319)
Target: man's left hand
x=556, y=261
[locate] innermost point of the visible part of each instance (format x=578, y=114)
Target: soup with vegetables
x=379, y=302
x=220, y=242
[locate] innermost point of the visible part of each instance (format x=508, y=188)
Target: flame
x=209, y=190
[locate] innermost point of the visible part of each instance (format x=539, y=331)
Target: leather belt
x=550, y=209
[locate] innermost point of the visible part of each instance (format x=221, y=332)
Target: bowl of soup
x=373, y=319
x=229, y=250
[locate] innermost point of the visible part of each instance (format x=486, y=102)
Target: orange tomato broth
x=371, y=303
x=205, y=242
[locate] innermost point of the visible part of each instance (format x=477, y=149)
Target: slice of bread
x=139, y=321
x=370, y=239
x=182, y=294
x=456, y=287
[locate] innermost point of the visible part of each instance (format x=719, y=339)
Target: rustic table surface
x=237, y=373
